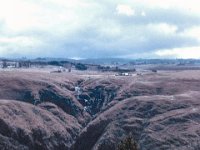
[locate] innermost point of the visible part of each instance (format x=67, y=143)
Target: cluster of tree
x=154, y=70
x=103, y=68
x=114, y=69
x=16, y=64
x=4, y=64
x=57, y=63
x=80, y=66
x=26, y=64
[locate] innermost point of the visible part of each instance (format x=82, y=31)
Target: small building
x=123, y=74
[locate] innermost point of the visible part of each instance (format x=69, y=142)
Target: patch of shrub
x=128, y=144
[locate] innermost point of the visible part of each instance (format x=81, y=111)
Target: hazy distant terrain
x=93, y=110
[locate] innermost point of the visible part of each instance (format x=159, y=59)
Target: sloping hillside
x=39, y=87
x=156, y=122
x=40, y=110
x=24, y=126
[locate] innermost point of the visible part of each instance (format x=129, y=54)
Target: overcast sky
x=100, y=28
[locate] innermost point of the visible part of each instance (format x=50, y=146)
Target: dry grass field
x=43, y=110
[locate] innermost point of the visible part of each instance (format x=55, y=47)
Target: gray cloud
x=91, y=29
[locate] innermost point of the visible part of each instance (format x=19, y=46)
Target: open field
x=90, y=110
